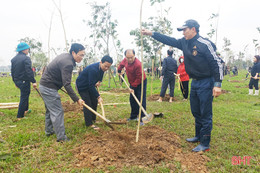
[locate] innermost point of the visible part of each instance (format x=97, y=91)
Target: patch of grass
x=235, y=129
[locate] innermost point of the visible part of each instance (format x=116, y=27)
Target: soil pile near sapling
x=155, y=97
x=119, y=149
x=119, y=90
x=71, y=107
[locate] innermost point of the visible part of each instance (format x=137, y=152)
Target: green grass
x=236, y=120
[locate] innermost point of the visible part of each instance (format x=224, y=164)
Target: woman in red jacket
x=184, y=77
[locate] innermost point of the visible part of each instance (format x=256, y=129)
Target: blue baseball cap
x=190, y=24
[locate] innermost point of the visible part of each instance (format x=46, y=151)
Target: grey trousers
x=54, y=116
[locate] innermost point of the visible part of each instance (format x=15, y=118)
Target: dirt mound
x=71, y=107
x=155, y=97
x=119, y=90
x=119, y=149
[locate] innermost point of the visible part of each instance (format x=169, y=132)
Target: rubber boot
x=197, y=134
x=204, y=144
x=250, y=92
x=256, y=93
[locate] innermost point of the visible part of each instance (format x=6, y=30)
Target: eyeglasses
x=81, y=55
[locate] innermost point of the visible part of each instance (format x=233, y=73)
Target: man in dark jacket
x=88, y=80
x=168, y=69
x=202, y=65
x=22, y=74
x=57, y=74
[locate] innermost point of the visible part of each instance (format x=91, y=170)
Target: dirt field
x=119, y=149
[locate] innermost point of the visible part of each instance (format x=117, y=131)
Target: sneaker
x=141, y=124
x=63, y=140
x=194, y=139
x=130, y=119
x=49, y=134
x=200, y=148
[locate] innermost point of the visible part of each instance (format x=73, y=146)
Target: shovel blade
x=148, y=118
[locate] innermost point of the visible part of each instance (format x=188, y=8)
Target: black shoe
x=194, y=139
x=49, y=134
x=63, y=140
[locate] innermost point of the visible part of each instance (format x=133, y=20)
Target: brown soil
x=71, y=107
x=119, y=149
x=155, y=97
x=119, y=90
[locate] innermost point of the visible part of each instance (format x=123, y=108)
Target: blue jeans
x=201, y=107
x=25, y=89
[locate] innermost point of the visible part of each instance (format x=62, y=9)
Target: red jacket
x=133, y=71
x=181, y=70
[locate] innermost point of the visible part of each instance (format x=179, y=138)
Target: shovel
x=107, y=122
x=148, y=117
x=101, y=104
x=38, y=92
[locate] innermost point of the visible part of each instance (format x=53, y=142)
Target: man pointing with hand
x=204, y=67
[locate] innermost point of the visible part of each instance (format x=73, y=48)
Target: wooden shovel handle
x=94, y=112
x=136, y=99
x=101, y=104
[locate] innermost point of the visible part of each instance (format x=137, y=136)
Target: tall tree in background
x=229, y=58
x=103, y=31
x=213, y=19
x=62, y=22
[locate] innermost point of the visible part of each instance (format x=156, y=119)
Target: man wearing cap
x=22, y=74
x=204, y=66
x=56, y=75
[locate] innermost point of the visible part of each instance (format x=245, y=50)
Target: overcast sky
x=238, y=21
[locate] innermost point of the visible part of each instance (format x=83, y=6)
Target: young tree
x=213, y=19
x=103, y=31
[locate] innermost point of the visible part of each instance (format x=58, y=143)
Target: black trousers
x=253, y=82
x=91, y=101
x=166, y=81
x=185, y=89
x=25, y=89
x=134, y=105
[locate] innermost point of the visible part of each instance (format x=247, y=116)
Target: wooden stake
x=142, y=85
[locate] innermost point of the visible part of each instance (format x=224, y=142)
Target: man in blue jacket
x=22, y=75
x=202, y=65
x=169, y=67
x=88, y=80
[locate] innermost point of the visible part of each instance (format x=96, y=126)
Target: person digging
x=86, y=83
x=133, y=69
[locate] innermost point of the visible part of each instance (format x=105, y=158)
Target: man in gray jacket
x=57, y=74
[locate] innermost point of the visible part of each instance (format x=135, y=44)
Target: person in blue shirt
x=90, y=78
x=204, y=67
